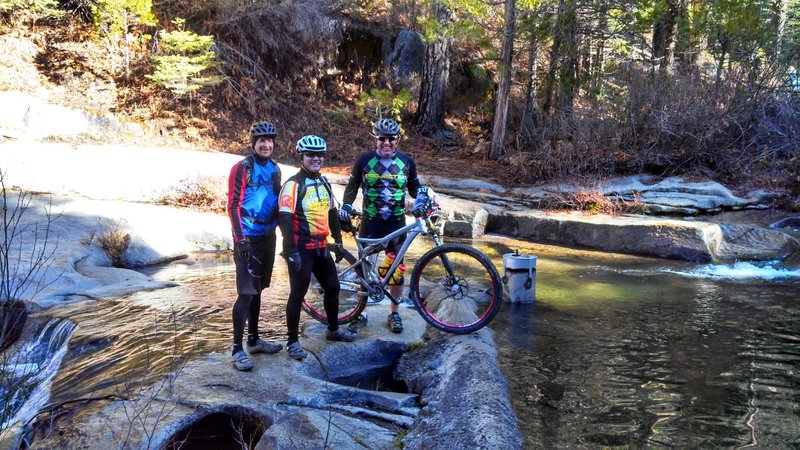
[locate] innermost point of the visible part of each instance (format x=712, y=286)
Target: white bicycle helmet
x=311, y=143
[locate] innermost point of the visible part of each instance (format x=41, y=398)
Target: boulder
x=463, y=393
x=792, y=222
x=407, y=58
x=468, y=224
x=752, y=243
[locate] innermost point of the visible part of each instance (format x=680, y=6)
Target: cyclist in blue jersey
x=253, y=188
x=384, y=175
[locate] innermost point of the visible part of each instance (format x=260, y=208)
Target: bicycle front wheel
x=351, y=300
x=456, y=288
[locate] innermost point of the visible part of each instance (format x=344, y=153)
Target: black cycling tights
x=320, y=263
x=246, y=309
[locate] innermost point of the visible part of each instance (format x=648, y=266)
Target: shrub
x=114, y=240
x=339, y=116
x=186, y=63
x=30, y=9
x=203, y=193
x=380, y=103
x=593, y=202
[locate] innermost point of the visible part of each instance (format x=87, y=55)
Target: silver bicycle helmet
x=259, y=129
x=386, y=127
x=311, y=143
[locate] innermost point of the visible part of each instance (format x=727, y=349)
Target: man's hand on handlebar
x=345, y=212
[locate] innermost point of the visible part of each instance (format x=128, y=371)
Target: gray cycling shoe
x=340, y=335
x=394, y=322
x=262, y=346
x=358, y=323
x=296, y=351
x=241, y=361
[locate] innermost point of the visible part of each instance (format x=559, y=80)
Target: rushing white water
x=741, y=271
x=31, y=372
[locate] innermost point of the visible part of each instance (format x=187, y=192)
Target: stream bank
x=82, y=272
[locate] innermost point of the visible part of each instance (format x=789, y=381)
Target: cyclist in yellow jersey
x=307, y=216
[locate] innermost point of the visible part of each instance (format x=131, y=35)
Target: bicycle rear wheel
x=456, y=288
x=351, y=301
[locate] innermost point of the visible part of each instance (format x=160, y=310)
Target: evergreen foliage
x=115, y=17
x=379, y=103
x=185, y=62
x=34, y=9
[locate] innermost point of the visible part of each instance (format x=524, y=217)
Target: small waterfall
x=27, y=375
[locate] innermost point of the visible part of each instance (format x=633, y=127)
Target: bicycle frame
x=444, y=291
x=368, y=247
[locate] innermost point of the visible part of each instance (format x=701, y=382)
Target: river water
x=616, y=350
x=640, y=352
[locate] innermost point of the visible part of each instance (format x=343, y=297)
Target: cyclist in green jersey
x=384, y=175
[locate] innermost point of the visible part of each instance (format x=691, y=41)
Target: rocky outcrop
x=406, y=58
x=673, y=196
x=286, y=404
x=474, y=208
x=447, y=371
x=80, y=268
x=26, y=116
x=641, y=235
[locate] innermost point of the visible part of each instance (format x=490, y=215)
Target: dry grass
x=593, y=202
x=204, y=193
x=114, y=240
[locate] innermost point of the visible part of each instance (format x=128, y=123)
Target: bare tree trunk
x=664, y=36
x=127, y=36
x=778, y=23
x=497, y=148
x=433, y=89
x=598, y=59
x=723, y=44
x=555, y=57
x=531, y=105
x=568, y=73
x=526, y=135
x=684, y=48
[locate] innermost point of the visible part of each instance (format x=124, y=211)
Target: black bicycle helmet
x=263, y=129
x=386, y=127
x=311, y=143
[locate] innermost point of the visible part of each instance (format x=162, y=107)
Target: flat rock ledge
x=456, y=397
x=690, y=239
x=641, y=235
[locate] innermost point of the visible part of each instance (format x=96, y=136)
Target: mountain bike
x=454, y=287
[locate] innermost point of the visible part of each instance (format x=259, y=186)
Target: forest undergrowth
x=634, y=121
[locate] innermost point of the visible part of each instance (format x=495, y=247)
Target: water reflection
x=616, y=351
x=620, y=352
x=136, y=339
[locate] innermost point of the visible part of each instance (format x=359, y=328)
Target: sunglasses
x=314, y=154
x=387, y=138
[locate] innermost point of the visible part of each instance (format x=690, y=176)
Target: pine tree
x=186, y=62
